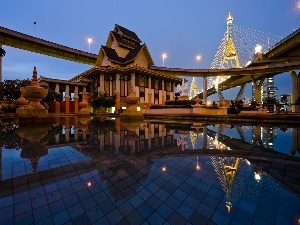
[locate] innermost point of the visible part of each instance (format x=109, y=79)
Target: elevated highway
x=26, y=42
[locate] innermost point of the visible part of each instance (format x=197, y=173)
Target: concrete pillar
x=204, y=135
x=204, y=89
x=67, y=98
x=295, y=141
x=295, y=90
x=257, y=87
x=241, y=92
x=0, y=163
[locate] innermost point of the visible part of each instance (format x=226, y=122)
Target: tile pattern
x=72, y=188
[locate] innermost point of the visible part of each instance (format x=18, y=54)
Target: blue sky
x=182, y=29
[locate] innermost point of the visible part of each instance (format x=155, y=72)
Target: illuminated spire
x=229, y=17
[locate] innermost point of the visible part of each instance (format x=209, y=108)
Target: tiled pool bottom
x=70, y=188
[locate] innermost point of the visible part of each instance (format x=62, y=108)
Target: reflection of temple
x=111, y=152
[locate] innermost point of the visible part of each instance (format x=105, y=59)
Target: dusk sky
x=182, y=29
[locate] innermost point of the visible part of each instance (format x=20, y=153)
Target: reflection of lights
x=247, y=161
x=89, y=184
x=164, y=168
x=228, y=206
x=257, y=177
x=197, y=165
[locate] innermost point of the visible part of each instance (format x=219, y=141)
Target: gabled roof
x=113, y=56
x=127, y=33
x=124, y=42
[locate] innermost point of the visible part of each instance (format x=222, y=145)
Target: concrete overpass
x=26, y=42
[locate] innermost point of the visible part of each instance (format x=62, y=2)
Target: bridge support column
x=204, y=137
x=295, y=90
x=257, y=88
x=221, y=97
x=241, y=92
x=205, y=89
x=295, y=141
x=0, y=64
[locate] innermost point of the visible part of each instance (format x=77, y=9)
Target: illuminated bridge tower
x=226, y=56
x=230, y=58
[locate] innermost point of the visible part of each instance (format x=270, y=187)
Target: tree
x=284, y=99
x=10, y=89
x=51, y=97
x=103, y=100
x=2, y=52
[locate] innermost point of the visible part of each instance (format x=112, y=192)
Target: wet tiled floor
x=69, y=187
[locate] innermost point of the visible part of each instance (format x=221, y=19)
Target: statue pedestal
x=183, y=97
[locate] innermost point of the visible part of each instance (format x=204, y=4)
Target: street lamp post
x=164, y=56
x=89, y=40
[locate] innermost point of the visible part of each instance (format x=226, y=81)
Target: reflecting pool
x=104, y=171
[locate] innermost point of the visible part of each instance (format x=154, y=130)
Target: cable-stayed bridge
x=230, y=67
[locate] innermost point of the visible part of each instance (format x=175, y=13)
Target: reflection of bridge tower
x=232, y=174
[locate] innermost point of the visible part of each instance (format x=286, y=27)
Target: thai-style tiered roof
x=124, y=53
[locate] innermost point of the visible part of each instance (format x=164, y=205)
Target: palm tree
x=2, y=52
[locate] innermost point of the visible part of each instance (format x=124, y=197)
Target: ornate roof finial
x=229, y=17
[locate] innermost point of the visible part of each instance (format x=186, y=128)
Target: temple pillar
x=101, y=88
x=149, y=93
x=76, y=100
x=117, y=92
x=295, y=90
x=204, y=89
x=132, y=84
x=57, y=104
x=67, y=98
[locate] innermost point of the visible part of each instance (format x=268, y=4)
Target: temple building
x=122, y=64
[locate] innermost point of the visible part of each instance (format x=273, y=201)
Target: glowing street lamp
x=258, y=48
x=89, y=40
x=164, y=56
x=198, y=58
